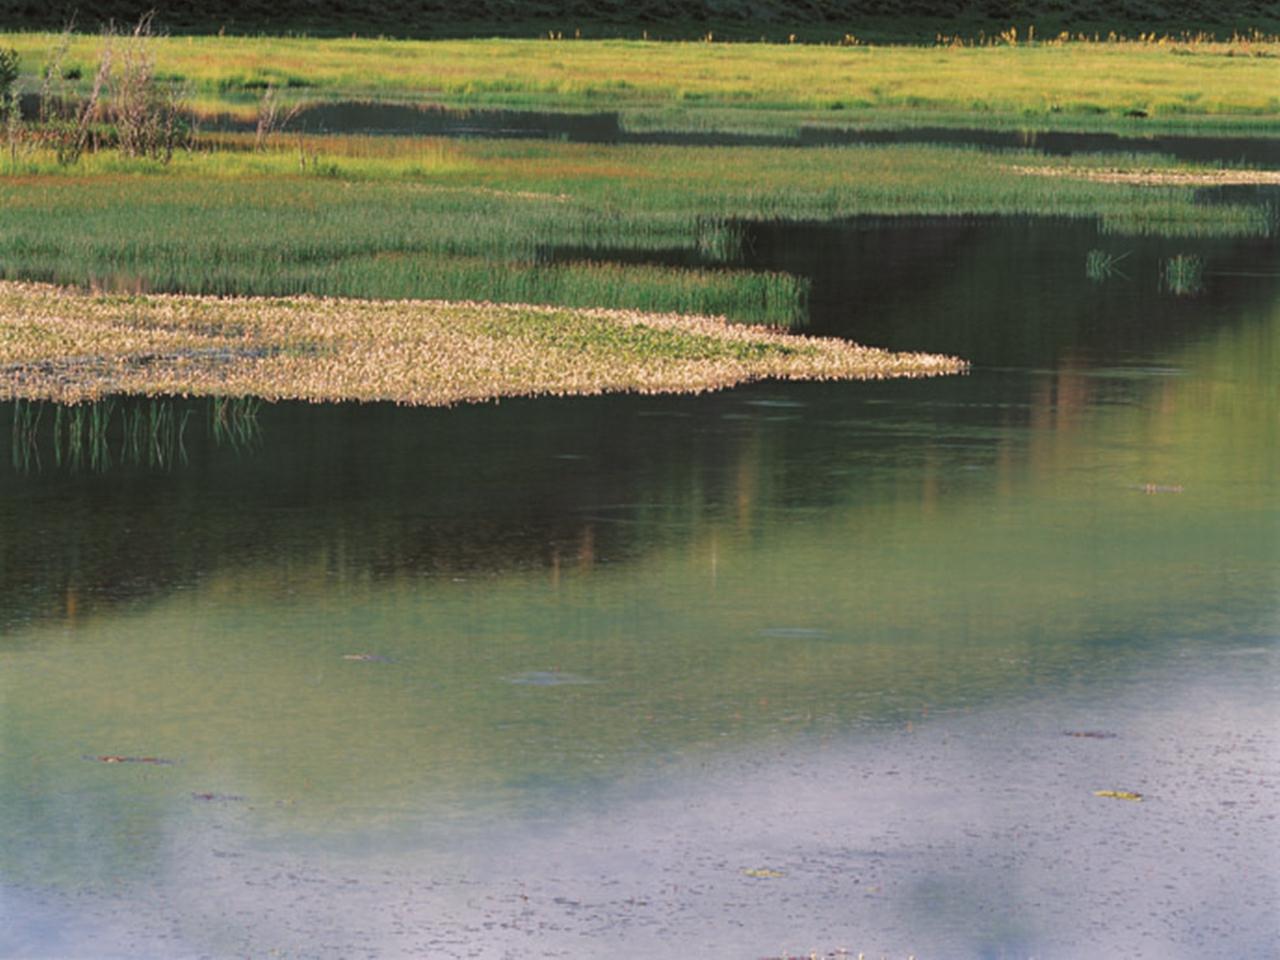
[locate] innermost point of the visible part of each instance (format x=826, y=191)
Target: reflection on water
x=1008, y=291
x=398, y=119
x=116, y=432
x=785, y=668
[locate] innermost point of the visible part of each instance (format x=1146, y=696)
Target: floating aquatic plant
x=67, y=347
x=1119, y=795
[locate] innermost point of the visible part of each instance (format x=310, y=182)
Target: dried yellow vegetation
x=1160, y=177
x=68, y=346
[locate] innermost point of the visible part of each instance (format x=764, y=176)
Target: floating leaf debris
x=111, y=758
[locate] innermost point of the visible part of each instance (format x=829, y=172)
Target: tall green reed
x=233, y=422
x=776, y=299
x=1101, y=264
x=484, y=230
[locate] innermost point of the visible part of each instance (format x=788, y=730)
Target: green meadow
x=1018, y=78
x=405, y=218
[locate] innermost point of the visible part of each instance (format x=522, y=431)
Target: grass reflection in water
x=375, y=629
x=661, y=593
x=124, y=432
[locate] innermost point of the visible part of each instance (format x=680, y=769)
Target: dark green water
x=381, y=118
x=788, y=668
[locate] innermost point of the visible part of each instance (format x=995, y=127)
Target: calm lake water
x=791, y=668
x=381, y=118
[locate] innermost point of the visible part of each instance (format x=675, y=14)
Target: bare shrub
x=273, y=116
x=67, y=122
x=9, y=61
x=148, y=113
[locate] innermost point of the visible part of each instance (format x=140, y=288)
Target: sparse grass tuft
x=1183, y=275
x=1100, y=264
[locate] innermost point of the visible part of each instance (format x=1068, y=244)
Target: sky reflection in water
x=780, y=669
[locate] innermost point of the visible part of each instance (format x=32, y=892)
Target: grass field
x=527, y=222
x=1192, y=83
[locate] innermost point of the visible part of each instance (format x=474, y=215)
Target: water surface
x=789, y=668
x=405, y=119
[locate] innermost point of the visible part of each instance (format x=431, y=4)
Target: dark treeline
x=776, y=20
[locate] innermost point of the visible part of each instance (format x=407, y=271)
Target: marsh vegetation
x=69, y=347
x=110, y=188
x=1193, y=81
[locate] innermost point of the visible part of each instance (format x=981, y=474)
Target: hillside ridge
x=911, y=21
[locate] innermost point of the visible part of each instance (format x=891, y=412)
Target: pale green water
x=642, y=645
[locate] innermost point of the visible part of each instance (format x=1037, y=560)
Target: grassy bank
x=57, y=345
x=1190, y=83
x=659, y=229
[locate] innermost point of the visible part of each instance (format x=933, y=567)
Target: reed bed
x=67, y=347
x=287, y=234
x=771, y=298
x=651, y=229
x=1100, y=265
x=485, y=220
